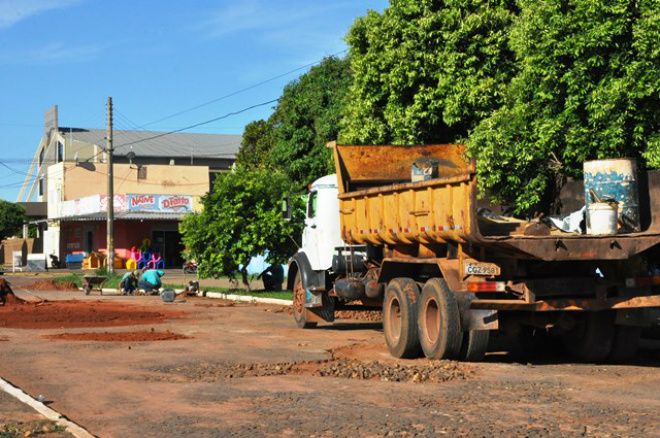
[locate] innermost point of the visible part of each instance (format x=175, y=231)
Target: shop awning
x=127, y=216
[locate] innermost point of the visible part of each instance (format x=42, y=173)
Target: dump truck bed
x=380, y=206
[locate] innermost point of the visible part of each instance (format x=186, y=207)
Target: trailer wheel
x=400, y=318
x=475, y=345
x=439, y=321
x=300, y=312
x=592, y=338
x=625, y=344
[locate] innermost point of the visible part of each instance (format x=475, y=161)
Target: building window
x=142, y=172
x=42, y=154
x=60, y=151
x=41, y=186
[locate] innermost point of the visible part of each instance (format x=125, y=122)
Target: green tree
x=242, y=218
x=427, y=70
x=258, y=140
x=12, y=217
x=307, y=117
x=587, y=87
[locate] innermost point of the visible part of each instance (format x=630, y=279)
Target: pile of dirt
x=360, y=315
x=434, y=372
x=78, y=314
x=7, y=297
x=430, y=372
x=51, y=285
x=137, y=336
x=357, y=315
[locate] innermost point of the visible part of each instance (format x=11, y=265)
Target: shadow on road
x=350, y=326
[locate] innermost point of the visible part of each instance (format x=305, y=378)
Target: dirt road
x=204, y=368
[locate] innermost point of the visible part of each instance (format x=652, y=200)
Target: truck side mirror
x=286, y=209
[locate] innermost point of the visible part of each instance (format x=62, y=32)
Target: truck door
x=310, y=234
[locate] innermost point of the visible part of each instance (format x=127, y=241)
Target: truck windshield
x=311, y=205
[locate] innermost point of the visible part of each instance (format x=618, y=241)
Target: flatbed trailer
x=446, y=276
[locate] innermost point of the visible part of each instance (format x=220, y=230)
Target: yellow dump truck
x=402, y=229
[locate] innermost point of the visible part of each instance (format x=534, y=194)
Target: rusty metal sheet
x=569, y=304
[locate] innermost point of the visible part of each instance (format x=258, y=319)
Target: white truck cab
x=322, y=231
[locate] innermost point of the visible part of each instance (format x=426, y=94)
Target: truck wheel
x=400, y=318
x=300, y=312
x=439, y=321
x=475, y=345
x=591, y=340
x=625, y=344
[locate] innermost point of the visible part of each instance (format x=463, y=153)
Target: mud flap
x=633, y=317
x=475, y=319
x=321, y=306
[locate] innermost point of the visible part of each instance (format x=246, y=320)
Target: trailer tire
x=400, y=310
x=439, y=321
x=301, y=314
x=475, y=345
x=625, y=344
x=591, y=341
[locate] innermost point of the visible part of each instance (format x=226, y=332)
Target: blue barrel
x=614, y=179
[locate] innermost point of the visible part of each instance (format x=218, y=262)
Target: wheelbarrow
x=92, y=281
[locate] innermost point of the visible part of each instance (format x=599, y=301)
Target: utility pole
x=111, y=196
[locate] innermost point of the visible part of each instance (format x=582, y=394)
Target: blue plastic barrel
x=614, y=179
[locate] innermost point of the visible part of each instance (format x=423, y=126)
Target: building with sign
x=158, y=178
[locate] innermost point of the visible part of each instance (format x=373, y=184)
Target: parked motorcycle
x=190, y=267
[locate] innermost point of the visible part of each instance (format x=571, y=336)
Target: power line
x=163, y=134
x=226, y=96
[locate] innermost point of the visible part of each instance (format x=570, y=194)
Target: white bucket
x=603, y=218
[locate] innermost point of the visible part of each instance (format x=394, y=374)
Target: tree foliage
x=258, y=140
x=278, y=158
x=12, y=217
x=241, y=219
x=588, y=87
x=307, y=117
x=535, y=87
x=427, y=70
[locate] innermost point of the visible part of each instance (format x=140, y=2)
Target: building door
x=169, y=244
x=88, y=242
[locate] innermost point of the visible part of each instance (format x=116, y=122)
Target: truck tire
x=439, y=321
x=300, y=313
x=591, y=340
x=400, y=310
x=475, y=345
x=625, y=344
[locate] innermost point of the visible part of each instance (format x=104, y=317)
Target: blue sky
x=155, y=58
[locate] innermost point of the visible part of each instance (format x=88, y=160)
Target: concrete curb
x=71, y=427
x=222, y=296
x=245, y=298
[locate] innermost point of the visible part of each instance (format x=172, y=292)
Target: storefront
x=149, y=222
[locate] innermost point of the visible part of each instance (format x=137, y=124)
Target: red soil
x=51, y=285
x=73, y=314
x=139, y=336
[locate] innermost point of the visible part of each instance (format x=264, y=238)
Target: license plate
x=486, y=269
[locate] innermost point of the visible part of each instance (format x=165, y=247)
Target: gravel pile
x=212, y=372
x=360, y=315
x=434, y=372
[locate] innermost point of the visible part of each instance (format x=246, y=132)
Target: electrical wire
x=251, y=87
x=206, y=122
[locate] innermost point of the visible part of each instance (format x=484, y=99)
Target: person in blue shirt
x=150, y=281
